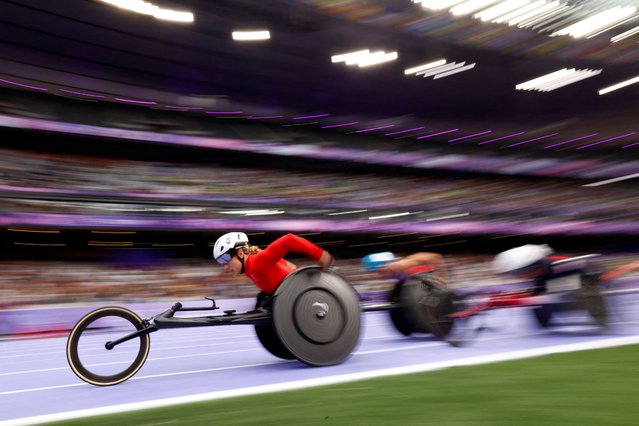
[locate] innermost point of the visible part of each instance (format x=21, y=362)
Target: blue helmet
x=374, y=261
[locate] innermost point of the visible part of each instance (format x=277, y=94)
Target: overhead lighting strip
x=557, y=79
x=632, y=18
x=450, y=216
x=500, y=9
x=614, y=180
x=454, y=71
x=625, y=34
x=440, y=69
x=470, y=6
x=542, y=15
x=146, y=8
x=376, y=58
x=418, y=68
x=529, y=9
x=541, y=18
x=533, y=12
x=619, y=85
x=364, y=58
x=251, y=35
x=391, y=215
x=438, y=4
x=573, y=79
x=387, y=216
x=596, y=22
x=561, y=20
x=348, y=212
x=343, y=57
x=536, y=82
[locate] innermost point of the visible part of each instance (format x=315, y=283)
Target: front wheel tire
x=86, y=352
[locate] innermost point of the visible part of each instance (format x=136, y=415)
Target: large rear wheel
x=427, y=308
x=266, y=333
x=398, y=313
x=592, y=300
x=316, y=315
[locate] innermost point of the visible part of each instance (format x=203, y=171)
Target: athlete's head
x=374, y=261
x=225, y=251
x=522, y=260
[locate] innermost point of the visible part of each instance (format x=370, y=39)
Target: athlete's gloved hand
x=326, y=260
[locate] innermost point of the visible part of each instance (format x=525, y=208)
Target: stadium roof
x=91, y=50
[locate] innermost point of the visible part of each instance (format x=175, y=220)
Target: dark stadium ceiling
x=88, y=49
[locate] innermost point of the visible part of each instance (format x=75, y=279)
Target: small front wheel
x=88, y=355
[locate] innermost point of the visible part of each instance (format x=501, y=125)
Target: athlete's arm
x=402, y=267
x=423, y=258
x=292, y=243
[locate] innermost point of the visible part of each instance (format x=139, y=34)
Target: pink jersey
x=268, y=268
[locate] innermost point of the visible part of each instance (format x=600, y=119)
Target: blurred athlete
x=266, y=268
x=528, y=262
x=401, y=269
x=554, y=275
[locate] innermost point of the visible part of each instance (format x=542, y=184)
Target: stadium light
x=146, y=8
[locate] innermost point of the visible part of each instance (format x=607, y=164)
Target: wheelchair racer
x=387, y=265
x=560, y=277
x=536, y=263
x=267, y=268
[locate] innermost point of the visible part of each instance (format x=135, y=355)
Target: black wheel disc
x=412, y=296
x=267, y=335
x=592, y=300
x=427, y=308
x=398, y=314
x=440, y=306
x=316, y=315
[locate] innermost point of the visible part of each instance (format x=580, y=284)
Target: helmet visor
x=225, y=258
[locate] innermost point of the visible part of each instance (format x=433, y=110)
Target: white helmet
x=520, y=257
x=228, y=243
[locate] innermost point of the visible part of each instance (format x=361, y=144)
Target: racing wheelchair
x=314, y=317
x=576, y=287
x=420, y=306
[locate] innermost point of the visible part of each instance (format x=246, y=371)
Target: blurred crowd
x=22, y=171
x=24, y=283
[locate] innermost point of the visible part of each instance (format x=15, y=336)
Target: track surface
x=35, y=379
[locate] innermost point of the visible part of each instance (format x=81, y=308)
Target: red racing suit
x=267, y=268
